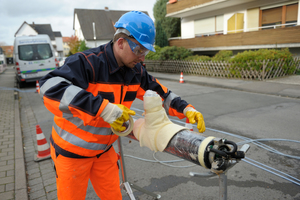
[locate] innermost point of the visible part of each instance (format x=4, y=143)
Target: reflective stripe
x=69, y=137
x=91, y=129
x=36, y=70
x=52, y=82
x=168, y=101
x=68, y=96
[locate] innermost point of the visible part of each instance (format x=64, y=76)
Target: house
x=96, y=27
x=208, y=26
x=66, y=46
x=8, y=53
x=35, y=29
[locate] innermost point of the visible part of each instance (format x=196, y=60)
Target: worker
x=92, y=92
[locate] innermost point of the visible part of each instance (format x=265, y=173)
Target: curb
x=226, y=87
x=20, y=172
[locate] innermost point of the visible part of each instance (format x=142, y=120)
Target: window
x=209, y=26
x=279, y=16
x=235, y=24
x=291, y=14
x=35, y=52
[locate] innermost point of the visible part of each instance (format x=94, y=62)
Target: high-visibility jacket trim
x=77, y=93
x=70, y=154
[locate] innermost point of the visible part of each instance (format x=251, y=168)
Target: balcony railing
x=242, y=30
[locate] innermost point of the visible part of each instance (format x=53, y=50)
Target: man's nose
x=142, y=58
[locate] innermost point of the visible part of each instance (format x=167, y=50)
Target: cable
x=258, y=143
x=161, y=162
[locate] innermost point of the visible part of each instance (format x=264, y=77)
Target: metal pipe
x=185, y=144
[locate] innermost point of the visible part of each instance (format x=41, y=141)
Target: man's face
x=133, y=53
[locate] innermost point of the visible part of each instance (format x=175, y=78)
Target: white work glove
x=195, y=116
x=116, y=115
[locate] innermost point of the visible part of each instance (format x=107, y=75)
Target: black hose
x=221, y=153
x=234, y=147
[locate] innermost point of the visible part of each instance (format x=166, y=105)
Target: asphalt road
x=251, y=115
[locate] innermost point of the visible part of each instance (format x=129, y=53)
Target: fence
x=255, y=70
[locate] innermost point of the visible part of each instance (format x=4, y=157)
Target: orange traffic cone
x=42, y=146
x=181, y=78
x=37, y=87
x=188, y=125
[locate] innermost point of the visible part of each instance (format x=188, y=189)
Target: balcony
x=269, y=38
x=207, y=8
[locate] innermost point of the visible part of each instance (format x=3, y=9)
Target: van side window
x=35, y=52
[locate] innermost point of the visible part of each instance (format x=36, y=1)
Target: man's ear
x=120, y=43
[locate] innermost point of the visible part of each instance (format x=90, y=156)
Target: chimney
x=106, y=8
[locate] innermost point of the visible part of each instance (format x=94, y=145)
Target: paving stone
x=3, y=162
x=33, y=176
x=35, y=181
x=2, y=188
x=6, y=180
x=9, y=187
x=10, y=172
x=32, y=170
x=7, y=157
x=50, y=188
x=7, y=195
x=52, y=195
x=48, y=176
x=2, y=174
x=38, y=194
x=49, y=181
x=36, y=187
x=6, y=168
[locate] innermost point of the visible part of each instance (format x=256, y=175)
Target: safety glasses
x=137, y=49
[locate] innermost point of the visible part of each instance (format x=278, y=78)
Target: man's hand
x=195, y=116
x=116, y=115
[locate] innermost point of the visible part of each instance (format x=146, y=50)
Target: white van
x=34, y=57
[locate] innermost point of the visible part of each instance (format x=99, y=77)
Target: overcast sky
x=58, y=13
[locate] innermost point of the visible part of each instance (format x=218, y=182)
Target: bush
x=223, y=55
x=153, y=55
x=252, y=60
x=198, y=58
x=174, y=53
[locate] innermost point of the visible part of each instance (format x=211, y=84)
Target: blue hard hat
x=140, y=26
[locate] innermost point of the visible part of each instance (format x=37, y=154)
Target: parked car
x=62, y=61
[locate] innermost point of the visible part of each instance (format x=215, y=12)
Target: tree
x=74, y=44
x=83, y=46
x=170, y=25
x=161, y=37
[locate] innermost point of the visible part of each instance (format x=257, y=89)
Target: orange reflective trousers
x=73, y=174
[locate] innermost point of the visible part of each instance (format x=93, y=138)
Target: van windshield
x=34, y=52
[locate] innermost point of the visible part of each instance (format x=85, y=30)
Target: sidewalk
x=13, y=182
x=285, y=87
x=12, y=168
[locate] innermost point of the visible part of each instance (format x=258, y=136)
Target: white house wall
x=59, y=44
x=92, y=44
x=187, y=29
x=26, y=30
x=77, y=27
x=219, y=23
x=298, y=20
